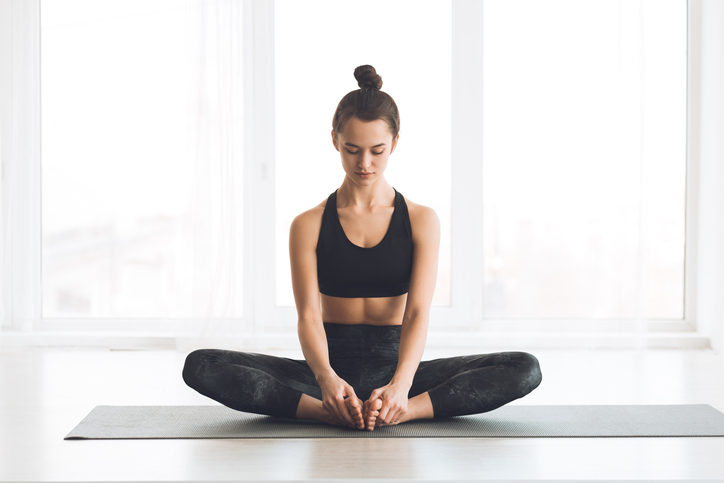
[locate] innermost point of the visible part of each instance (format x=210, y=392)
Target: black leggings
x=366, y=357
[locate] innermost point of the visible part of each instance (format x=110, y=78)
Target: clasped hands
x=386, y=405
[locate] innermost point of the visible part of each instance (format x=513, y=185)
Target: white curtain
x=211, y=267
x=19, y=160
x=5, y=118
x=206, y=272
x=3, y=232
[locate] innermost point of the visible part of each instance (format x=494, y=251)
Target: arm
x=303, y=235
x=426, y=242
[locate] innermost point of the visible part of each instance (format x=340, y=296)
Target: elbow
x=307, y=321
x=415, y=317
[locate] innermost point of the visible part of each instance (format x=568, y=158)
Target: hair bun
x=367, y=77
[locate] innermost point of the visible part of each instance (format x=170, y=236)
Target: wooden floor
x=45, y=393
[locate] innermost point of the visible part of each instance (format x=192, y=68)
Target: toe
x=353, y=406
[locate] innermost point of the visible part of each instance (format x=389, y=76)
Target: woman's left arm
x=426, y=243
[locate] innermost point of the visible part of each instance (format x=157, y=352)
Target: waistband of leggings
x=362, y=331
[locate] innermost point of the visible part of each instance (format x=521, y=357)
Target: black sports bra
x=348, y=270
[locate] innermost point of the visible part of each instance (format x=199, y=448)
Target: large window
x=138, y=126
x=584, y=159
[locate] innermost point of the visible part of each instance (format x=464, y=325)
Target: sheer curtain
x=192, y=257
x=211, y=271
x=584, y=162
x=4, y=322
x=19, y=156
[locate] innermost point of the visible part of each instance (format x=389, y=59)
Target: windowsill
x=436, y=340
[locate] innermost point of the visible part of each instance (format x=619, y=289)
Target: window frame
x=20, y=124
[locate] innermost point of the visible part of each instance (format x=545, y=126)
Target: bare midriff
x=369, y=311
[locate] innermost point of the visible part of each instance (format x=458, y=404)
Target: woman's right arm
x=303, y=235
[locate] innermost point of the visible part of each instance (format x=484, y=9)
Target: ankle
x=309, y=408
x=420, y=407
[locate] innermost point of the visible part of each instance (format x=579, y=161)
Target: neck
x=379, y=193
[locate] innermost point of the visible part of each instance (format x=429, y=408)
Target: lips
x=363, y=175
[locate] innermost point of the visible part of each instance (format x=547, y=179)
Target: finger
x=397, y=416
x=367, y=410
x=350, y=391
x=385, y=411
x=376, y=394
x=394, y=413
x=331, y=407
x=339, y=408
x=344, y=412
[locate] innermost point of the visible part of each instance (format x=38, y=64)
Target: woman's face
x=365, y=148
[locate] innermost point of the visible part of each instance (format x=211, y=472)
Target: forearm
x=412, y=345
x=313, y=340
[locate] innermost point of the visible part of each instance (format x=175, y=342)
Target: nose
x=365, y=161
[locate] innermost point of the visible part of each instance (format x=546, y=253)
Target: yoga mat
x=511, y=421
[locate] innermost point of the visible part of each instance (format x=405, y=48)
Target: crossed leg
x=263, y=384
x=282, y=387
x=474, y=384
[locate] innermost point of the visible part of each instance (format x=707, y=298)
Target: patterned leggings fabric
x=366, y=357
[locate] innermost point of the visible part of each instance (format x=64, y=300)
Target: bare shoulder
x=423, y=219
x=305, y=226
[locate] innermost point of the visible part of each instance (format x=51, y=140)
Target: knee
x=195, y=366
x=530, y=373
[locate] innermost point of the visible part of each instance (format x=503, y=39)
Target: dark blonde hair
x=368, y=103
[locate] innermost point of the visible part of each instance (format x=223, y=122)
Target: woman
x=364, y=265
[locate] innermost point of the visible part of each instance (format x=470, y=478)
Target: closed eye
x=373, y=152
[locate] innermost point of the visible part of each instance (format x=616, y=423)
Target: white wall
x=706, y=128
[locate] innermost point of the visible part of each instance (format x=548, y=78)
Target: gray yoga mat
x=512, y=421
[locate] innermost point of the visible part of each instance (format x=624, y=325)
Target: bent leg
x=253, y=383
x=476, y=384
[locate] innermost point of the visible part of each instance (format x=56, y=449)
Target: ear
x=334, y=141
x=394, y=143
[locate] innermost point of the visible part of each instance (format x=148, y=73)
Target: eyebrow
x=355, y=146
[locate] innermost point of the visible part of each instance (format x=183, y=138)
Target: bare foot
x=371, y=411
x=354, y=406
x=312, y=408
x=381, y=423
x=419, y=407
